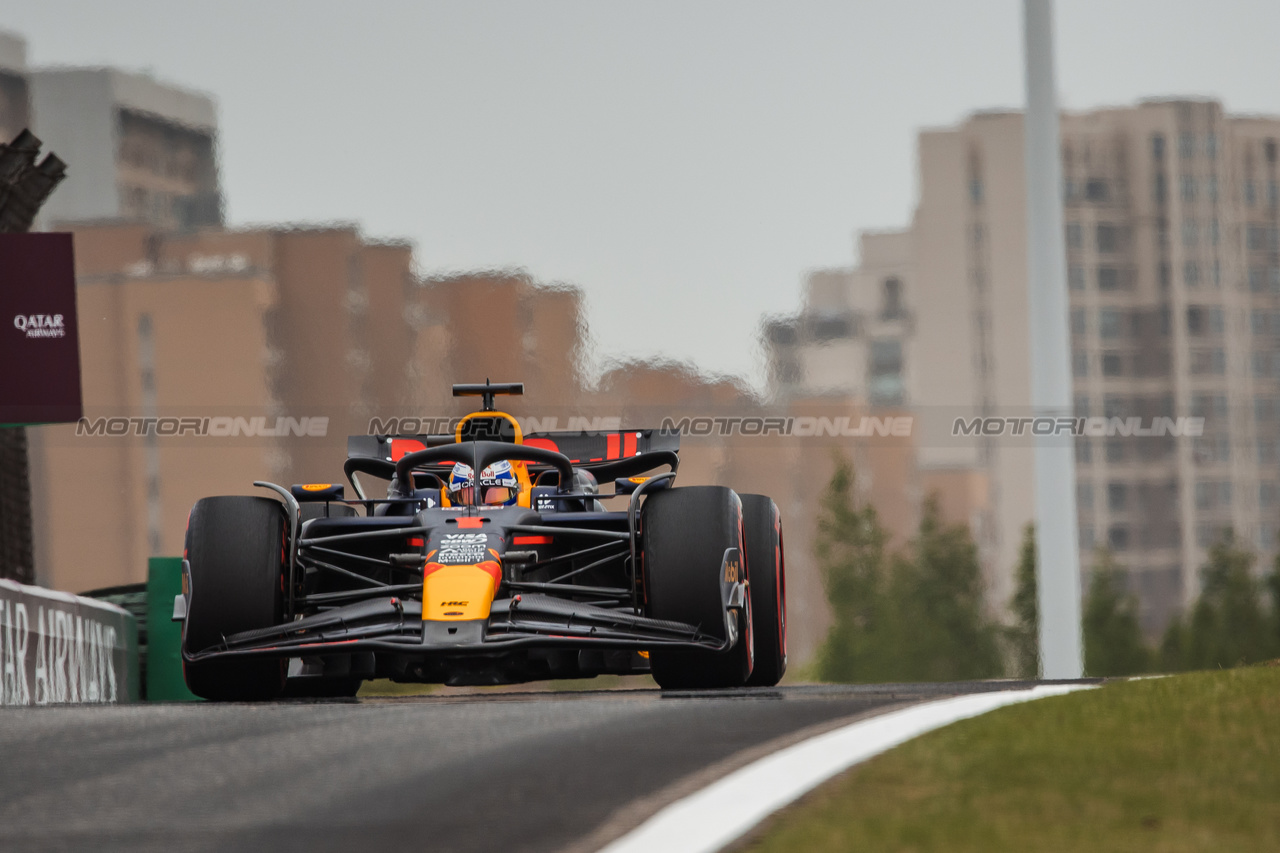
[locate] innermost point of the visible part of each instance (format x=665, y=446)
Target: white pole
x=1057, y=547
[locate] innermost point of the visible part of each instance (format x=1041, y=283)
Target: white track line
x=720, y=813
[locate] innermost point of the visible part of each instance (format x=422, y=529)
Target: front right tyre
x=686, y=532
x=236, y=551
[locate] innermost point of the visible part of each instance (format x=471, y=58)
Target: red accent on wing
x=613, y=440
x=415, y=542
x=401, y=447
x=531, y=540
x=544, y=443
x=474, y=523
x=629, y=444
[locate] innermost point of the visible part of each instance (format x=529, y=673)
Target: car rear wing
x=590, y=451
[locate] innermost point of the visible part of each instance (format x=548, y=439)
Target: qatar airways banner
x=58, y=648
x=39, y=344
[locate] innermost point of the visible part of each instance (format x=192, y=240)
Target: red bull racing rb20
x=495, y=558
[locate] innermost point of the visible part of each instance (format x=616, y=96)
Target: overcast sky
x=683, y=163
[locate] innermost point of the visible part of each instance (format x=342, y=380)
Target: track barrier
x=58, y=648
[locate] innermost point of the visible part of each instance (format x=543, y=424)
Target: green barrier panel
x=164, y=636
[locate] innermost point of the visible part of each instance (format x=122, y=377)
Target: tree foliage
x=1113, y=643
x=1230, y=624
x=917, y=615
x=1024, y=635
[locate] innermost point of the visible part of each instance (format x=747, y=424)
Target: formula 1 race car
x=491, y=560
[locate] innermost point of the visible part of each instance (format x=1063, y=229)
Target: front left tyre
x=236, y=550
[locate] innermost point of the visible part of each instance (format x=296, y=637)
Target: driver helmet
x=499, y=485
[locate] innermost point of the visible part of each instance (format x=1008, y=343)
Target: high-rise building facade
x=138, y=149
x=15, y=97
x=1171, y=222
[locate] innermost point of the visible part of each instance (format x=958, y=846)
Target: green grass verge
x=1187, y=763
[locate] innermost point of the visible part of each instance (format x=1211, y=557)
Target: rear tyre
x=236, y=552
x=766, y=567
x=686, y=532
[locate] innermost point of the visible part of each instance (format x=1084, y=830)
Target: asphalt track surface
x=527, y=771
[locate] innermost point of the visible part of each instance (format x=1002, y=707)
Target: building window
x=1078, y=322
x=975, y=191
x=1075, y=235
x=1108, y=278
x=1207, y=405
x=1196, y=324
x=1079, y=363
x=1216, y=273
x=1211, y=187
x=1209, y=362
x=892, y=308
x=1095, y=189
x=1191, y=274
x=1207, y=534
x=1114, y=406
x=1112, y=364
x=1075, y=277
x=886, y=372
x=1189, y=232
x=1081, y=404
x=1084, y=451
x=1186, y=145
x=830, y=328
x=1250, y=193
x=1258, y=321
x=1157, y=146
x=1116, y=450
x=1108, y=238
x=1212, y=494
x=1265, y=363
x=1268, y=451
x=1118, y=537
x=1255, y=238
x=1110, y=323
x=1087, y=538
x=1268, y=494
x=1273, y=194
x=1211, y=146
x=1084, y=495
x=1211, y=448
x=1265, y=408
x=1159, y=189
x=1117, y=497
x=1257, y=279
x=1214, y=234
x=1188, y=188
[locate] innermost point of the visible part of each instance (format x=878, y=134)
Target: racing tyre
x=686, y=532
x=236, y=552
x=762, y=530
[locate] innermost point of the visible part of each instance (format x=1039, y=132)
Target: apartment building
x=1174, y=281
x=15, y=98
x=299, y=323
x=139, y=149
